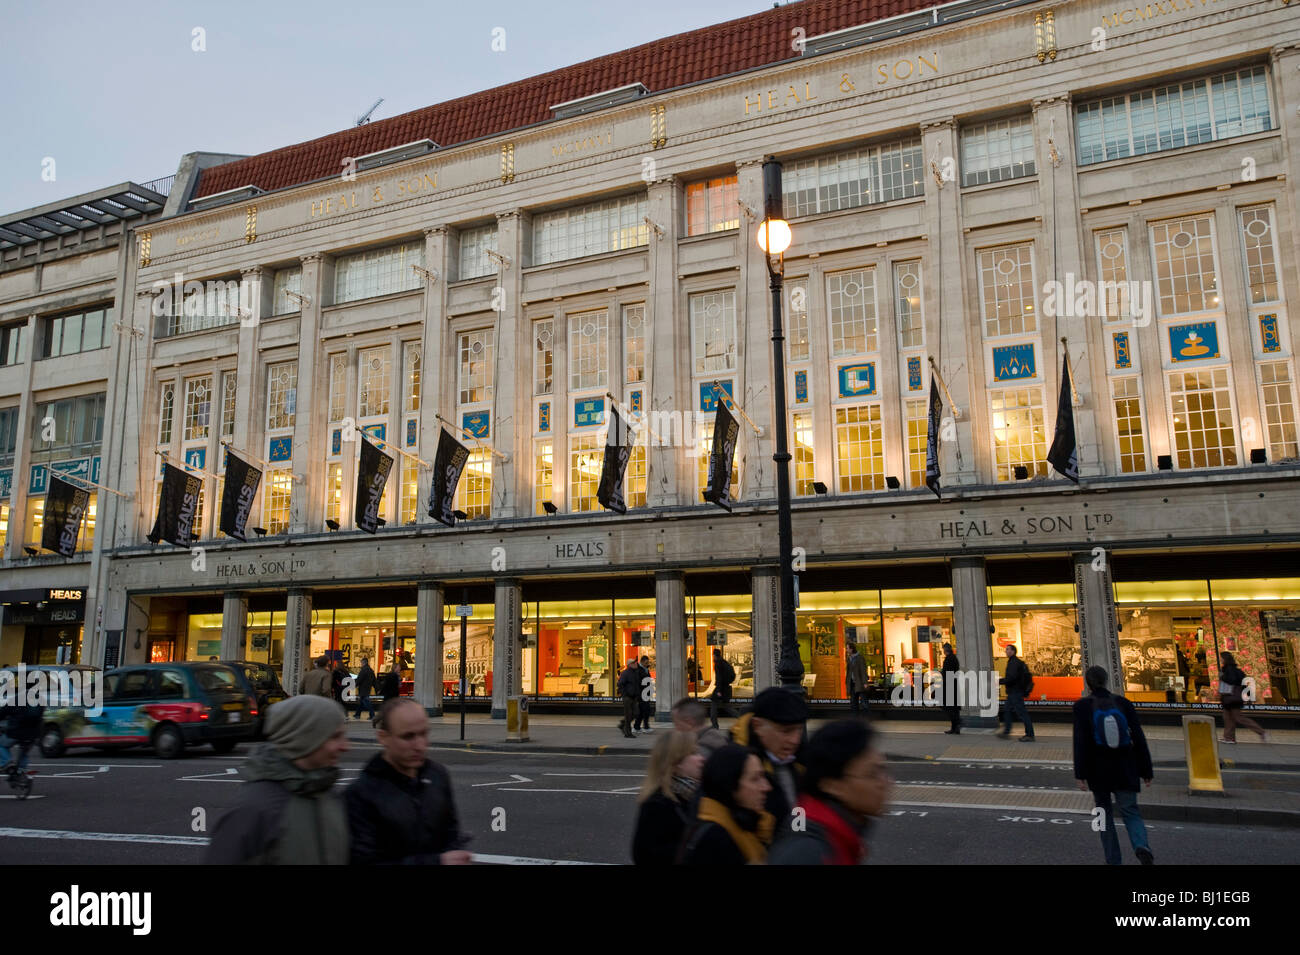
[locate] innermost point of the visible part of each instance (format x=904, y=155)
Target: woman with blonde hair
x=667, y=798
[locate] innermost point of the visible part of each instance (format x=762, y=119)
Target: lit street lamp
x=774, y=238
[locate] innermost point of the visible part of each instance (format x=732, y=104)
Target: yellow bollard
x=1202, y=755
x=517, y=718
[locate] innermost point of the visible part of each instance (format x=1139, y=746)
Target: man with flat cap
x=288, y=813
x=774, y=731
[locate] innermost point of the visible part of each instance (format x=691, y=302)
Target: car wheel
x=224, y=745
x=168, y=743
x=52, y=742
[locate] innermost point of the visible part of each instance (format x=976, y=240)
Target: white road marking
x=15, y=797
x=148, y=837
x=525, y=860
x=954, y=805
x=603, y=792
x=79, y=774
x=632, y=775
x=221, y=777
x=514, y=778
x=97, y=765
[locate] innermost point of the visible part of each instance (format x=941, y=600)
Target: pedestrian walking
x=692, y=716
x=846, y=786
x=1232, y=695
x=400, y=809
x=316, y=681
x=857, y=678
x=950, y=702
x=629, y=688
x=724, y=674
x=645, y=706
x=365, y=683
x=339, y=675
x=1019, y=683
x=390, y=684
x=1110, y=756
x=667, y=798
x=287, y=812
x=773, y=731
x=730, y=827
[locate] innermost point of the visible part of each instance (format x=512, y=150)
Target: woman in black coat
x=731, y=827
x=667, y=799
x=1230, y=676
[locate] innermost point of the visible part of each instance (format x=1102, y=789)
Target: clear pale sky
x=112, y=90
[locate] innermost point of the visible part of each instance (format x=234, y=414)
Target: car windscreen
x=263, y=678
x=217, y=679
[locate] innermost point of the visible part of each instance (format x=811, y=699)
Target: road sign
x=464, y=610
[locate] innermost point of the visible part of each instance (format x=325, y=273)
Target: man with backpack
x=1110, y=755
x=724, y=674
x=1019, y=684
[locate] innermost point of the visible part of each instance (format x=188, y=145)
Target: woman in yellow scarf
x=730, y=825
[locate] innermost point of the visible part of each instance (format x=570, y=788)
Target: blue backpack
x=1109, y=727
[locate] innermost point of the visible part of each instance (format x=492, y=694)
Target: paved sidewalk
x=1248, y=801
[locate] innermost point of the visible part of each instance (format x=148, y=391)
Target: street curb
x=1221, y=814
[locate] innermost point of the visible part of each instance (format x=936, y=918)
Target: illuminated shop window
x=410, y=377
x=475, y=490
x=410, y=490
x=851, y=303
x=333, y=491
x=918, y=438
x=1007, y=293
x=276, y=496
x=586, y=457
x=1128, y=425
x=1186, y=275
x=634, y=485
x=543, y=475
x=801, y=429
x=476, y=366
x=1201, y=405
x=712, y=205
x=859, y=448
x=634, y=343
x=1279, y=409
x=36, y=523
x=1019, y=434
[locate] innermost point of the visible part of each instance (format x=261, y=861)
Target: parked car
x=264, y=684
x=167, y=706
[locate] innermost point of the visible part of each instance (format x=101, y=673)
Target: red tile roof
x=749, y=42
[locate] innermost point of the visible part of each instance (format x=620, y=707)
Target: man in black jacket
x=774, y=732
x=21, y=726
x=629, y=688
x=365, y=683
x=950, y=702
x=390, y=684
x=400, y=809
x=1017, y=682
x=1110, y=755
x=724, y=674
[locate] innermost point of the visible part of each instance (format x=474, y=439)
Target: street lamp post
x=774, y=238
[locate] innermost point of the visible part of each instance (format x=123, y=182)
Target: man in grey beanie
x=288, y=813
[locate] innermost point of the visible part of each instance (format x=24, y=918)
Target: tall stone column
x=507, y=633
x=1285, y=60
x=297, y=638
x=234, y=625
x=307, y=503
x=435, y=368
x=511, y=424
x=765, y=625
x=755, y=390
x=972, y=640
x=1063, y=257
x=15, y=542
x=1095, y=593
x=669, y=348
x=948, y=331
x=428, y=646
x=670, y=642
